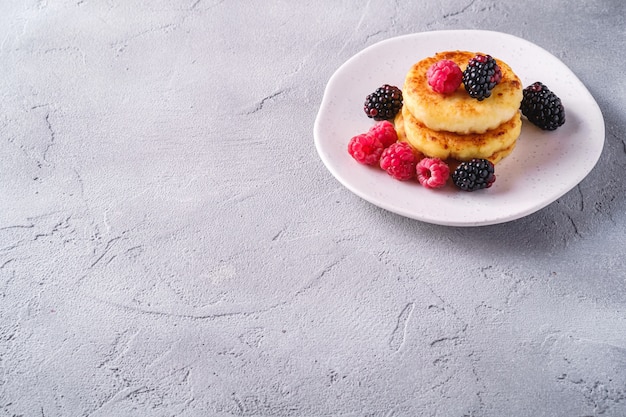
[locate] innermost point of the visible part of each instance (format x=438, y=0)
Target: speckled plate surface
x=543, y=167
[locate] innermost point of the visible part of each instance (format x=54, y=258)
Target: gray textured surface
x=171, y=245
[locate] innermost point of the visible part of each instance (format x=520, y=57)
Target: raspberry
x=365, y=149
x=444, y=76
x=474, y=175
x=481, y=76
x=432, y=172
x=542, y=107
x=399, y=161
x=384, y=103
x=384, y=132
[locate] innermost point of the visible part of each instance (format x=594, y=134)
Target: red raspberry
x=385, y=132
x=432, y=172
x=444, y=76
x=399, y=161
x=365, y=149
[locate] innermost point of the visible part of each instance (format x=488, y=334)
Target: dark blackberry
x=480, y=76
x=384, y=103
x=542, y=107
x=474, y=175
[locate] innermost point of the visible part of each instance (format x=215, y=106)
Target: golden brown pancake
x=494, y=144
x=458, y=112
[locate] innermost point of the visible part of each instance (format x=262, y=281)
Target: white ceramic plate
x=543, y=166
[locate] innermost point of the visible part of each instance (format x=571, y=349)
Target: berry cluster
x=380, y=146
x=541, y=106
x=481, y=76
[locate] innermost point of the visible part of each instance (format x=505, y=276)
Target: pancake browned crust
x=493, y=145
x=458, y=112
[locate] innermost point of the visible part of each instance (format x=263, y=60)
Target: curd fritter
x=458, y=112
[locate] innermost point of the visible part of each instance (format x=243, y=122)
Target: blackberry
x=480, y=76
x=542, y=107
x=474, y=175
x=384, y=103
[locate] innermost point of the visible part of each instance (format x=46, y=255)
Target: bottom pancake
x=493, y=145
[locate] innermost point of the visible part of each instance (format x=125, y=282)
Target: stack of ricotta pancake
x=457, y=126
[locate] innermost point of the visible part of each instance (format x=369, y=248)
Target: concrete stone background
x=171, y=244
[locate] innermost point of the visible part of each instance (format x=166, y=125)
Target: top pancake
x=458, y=112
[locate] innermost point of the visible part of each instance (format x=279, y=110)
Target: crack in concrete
x=458, y=12
x=398, y=335
x=318, y=277
x=217, y=311
x=226, y=311
x=574, y=226
x=52, y=139
x=120, y=46
x=259, y=105
x=600, y=396
x=109, y=245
